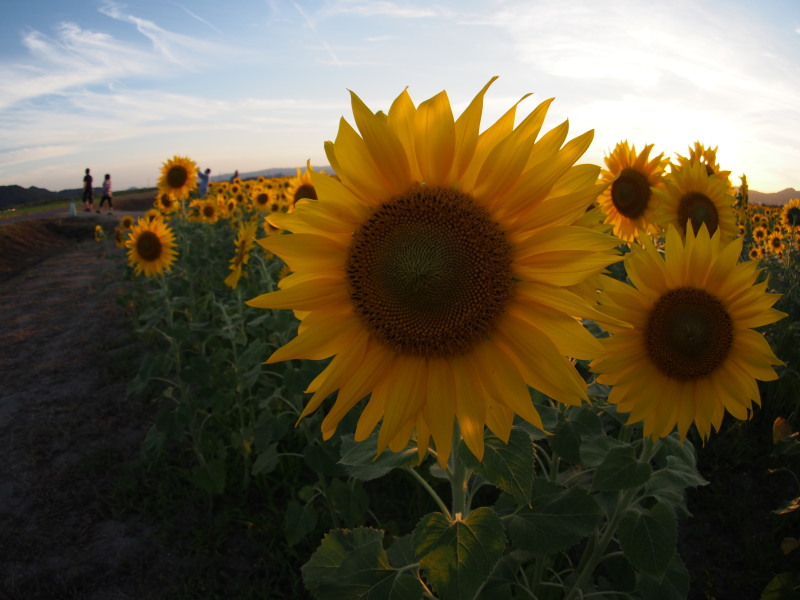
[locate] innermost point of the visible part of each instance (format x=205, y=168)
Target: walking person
x=203, y=177
x=106, y=194
x=88, y=192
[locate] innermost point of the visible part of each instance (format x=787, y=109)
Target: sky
x=254, y=84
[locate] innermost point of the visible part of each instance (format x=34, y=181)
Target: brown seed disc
x=689, y=333
x=429, y=273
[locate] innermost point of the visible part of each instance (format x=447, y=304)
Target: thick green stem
x=427, y=486
x=459, y=478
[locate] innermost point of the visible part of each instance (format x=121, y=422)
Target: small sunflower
x=119, y=237
x=436, y=268
x=178, y=177
x=692, y=352
x=693, y=197
x=754, y=253
x=628, y=200
x=708, y=158
x=166, y=203
x=245, y=239
x=99, y=234
x=151, y=247
x=126, y=222
x=208, y=211
x=301, y=186
x=775, y=244
x=760, y=234
x=791, y=213
x=260, y=198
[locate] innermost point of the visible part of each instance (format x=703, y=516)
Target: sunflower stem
x=427, y=486
x=459, y=477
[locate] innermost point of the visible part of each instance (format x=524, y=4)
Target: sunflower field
x=465, y=364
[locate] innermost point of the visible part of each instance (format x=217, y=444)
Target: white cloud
x=371, y=8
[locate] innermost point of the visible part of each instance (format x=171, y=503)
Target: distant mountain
x=774, y=198
x=14, y=195
x=276, y=172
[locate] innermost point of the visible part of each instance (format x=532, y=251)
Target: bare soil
x=66, y=354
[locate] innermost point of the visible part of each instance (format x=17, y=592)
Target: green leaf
x=674, y=585
x=458, y=556
x=648, y=538
x=566, y=442
x=558, y=519
x=350, y=502
x=299, y=521
x=210, y=476
x=266, y=461
x=352, y=565
x=595, y=448
x=321, y=458
x=358, y=458
x=620, y=470
x=781, y=587
x=508, y=466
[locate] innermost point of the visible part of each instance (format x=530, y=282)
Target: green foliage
x=458, y=556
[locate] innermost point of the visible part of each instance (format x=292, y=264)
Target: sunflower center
x=698, y=208
x=305, y=191
x=208, y=211
x=630, y=193
x=177, y=176
x=689, y=333
x=429, y=273
x=262, y=199
x=148, y=245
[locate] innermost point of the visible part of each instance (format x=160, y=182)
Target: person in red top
x=88, y=192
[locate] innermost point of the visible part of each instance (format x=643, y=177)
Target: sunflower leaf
x=558, y=519
x=508, y=466
x=620, y=470
x=458, y=556
x=674, y=585
x=360, y=461
x=648, y=538
x=352, y=565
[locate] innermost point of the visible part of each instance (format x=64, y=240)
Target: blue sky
x=122, y=87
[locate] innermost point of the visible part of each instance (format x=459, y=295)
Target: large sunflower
x=628, y=200
x=151, y=247
x=692, y=352
x=693, y=197
x=434, y=270
x=178, y=177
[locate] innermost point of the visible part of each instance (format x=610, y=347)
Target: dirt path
x=66, y=354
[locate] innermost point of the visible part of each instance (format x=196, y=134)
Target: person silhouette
x=106, y=194
x=203, y=177
x=88, y=192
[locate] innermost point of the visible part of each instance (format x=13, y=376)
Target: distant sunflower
x=698, y=153
x=301, y=187
x=208, y=211
x=760, y=234
x=126, y=222
x=166, y=203
x=692, y=198
x=99, y=234
x=260, y=198
x=245, y=240
x=435, y=271
x=692, y=352
x=178, y=177
x=151, y=247
x=628, y=200
x=775, y=244
x=119, y=237
x=791, y=213
x=754, y=253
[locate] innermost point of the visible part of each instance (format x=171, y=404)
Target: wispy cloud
x=371, y=8
x=176, y=48
x=313, y=27
x=199, y=18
